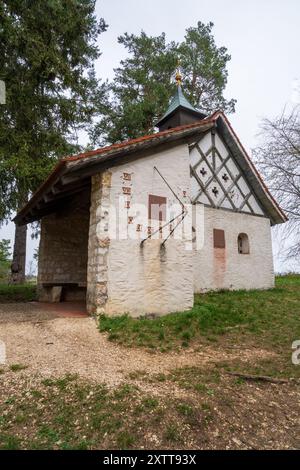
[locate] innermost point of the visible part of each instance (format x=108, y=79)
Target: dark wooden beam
x=63, y=205
x=67, y=190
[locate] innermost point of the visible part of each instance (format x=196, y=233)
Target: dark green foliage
x=17, y=293
x=144, y=82
x=48, y=50
x=140, y=90
x=204, y=67
x=5, y=259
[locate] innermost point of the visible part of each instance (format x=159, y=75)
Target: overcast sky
x=262, y=37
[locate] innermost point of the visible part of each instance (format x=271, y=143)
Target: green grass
x=80, y=415
x=17, y=367
x=272, y=317
x=17, y=293
x=69, y=413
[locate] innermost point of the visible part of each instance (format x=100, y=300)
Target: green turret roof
x=180, y=101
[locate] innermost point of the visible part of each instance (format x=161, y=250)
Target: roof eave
x=75, y=164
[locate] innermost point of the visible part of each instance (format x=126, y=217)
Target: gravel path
x=20, y=312
x=53, y=346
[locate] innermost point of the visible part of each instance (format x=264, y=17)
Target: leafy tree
x=4, y=259
x=48, y=50
x=144, y=81
x=279, y=160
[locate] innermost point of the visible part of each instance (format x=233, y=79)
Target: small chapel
x=138, y=227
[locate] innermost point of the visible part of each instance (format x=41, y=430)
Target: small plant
x=17, y=367
x=150, y=402
x=185, y=409
x=137, y=374
x=172, y=433
x=36, y=394
x=125, y=440
x=60, y=383
x=124, y=391
x=160, y=377
x=9, y=442
x=200, y=387
x=161, y=335
x=205, y=406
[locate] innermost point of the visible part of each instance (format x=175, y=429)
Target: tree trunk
x=19, y=255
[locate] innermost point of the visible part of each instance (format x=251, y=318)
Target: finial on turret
x=178, y=76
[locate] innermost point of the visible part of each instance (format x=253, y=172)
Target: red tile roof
x=101, y=151
x=159, y=136
x=144, y=138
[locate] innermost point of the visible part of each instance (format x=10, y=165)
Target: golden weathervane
x=178, y=76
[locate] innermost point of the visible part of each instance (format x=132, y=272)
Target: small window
x=157, y=208
x=243, y=244
x=219, y=238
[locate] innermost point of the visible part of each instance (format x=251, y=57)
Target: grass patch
x=18, y=293
x=185, y=409
x=172, y=433
x=269, y=317
x=81, y=415
x=9, y=442
x=275, y=367
x=17, y=367
x=125, y=440
x=61, y=383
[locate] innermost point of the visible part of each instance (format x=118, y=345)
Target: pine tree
x=143, y=84
x=48, y=49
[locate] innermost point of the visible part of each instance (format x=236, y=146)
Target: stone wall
x=218, y=268
x=98, y=244
x=63, y=253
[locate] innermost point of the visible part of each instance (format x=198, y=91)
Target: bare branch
x=278, y=158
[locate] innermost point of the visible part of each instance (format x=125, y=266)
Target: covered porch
x=63, y=252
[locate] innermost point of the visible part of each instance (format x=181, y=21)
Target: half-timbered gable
x=217, y=180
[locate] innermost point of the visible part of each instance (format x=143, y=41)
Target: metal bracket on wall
x=182, y=214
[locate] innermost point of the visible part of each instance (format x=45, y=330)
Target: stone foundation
x=98, y=245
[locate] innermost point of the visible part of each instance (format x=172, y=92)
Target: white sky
x=262, y=37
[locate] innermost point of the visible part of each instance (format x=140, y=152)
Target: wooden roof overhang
x=72, y=175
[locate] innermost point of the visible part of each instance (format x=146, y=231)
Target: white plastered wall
x=217, y=268
x=149, y=279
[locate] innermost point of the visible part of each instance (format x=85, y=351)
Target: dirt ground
x=249, y=415
x=55, y=346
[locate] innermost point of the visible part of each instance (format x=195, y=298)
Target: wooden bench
x=57, y=288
